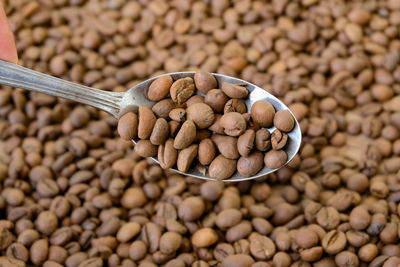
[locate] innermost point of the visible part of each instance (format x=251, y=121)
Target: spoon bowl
x=118, y=103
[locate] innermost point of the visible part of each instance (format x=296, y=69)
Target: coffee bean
x=186, y=135
x=275, y=159
x=128, y=126
x=159, y=88
x=262, y=113
x=222, y=167
x=237, y=260
x=334, y=242
x=216, y=99
x=233, y=123
x=191, y=209
x=201, y=114
x=234, y=90
x=181, y=90
x=170, y=242
x=204, y=81
x=261, y=247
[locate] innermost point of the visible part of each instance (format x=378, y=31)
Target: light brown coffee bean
x=159, y=88
x=186, y=135
x=235, y=105
x=128, y=231
x=251, y=164
x=207, y=151
x=263, y=113
x=170, y=242
x=263, y=140
x=227, y=145
x=237, y=260
x=128, y=126
x=167, y=154
x=275, y=159
x=186, y=157
x=233, y=123
x=278, y=140
x=204, y=81
x=201, y=114
x=145, y=148
x=181, y=90
x=216, y=99
x=216, y=127
x=204, y=237
x=246, y=142
x=261, y=247
x=284, y=121
x=147, y=120
x=162, y=108
x=191, y=209
x=133, y=198
x=234, y=90
x=39, y=251
x=160, y=132
x=222, y=168
x=177, y=114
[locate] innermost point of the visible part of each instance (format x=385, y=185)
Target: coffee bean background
x=74, y=194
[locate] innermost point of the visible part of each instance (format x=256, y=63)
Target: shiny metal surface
x=117, y=103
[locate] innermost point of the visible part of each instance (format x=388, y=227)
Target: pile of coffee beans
x=73, y=193
x=201, y=126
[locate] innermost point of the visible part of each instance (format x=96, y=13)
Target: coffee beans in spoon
x=215, y=133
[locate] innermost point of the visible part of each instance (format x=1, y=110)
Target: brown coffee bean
x=39, y=251
x=263, y=113
x=234, y=90
x=170, y=242
x=368, y=252
x=227, y=145
x=306, y=238
x=137, y=250
x=284, y=121
x=18, y=251
x=167, y=154
x=186, y=135
x=239, y=231
x=147, y=121
x=151, y=234
x=275, y=159
x=261, y=247
x=162, y=108
x=278, y=140
x=235, y=105
x=181, y=90
x=186, y=157
x=211, y=190
x=133, y=198
x=6, y=238
x=206, y=151
x=216, y=99
x=251, y=164
x=201, y=114
x=222, y=168
x=233, y=123
x=228, y=218
x=216, y=127
x=159, y=88
x=46, y=222
x=160, y=132
x=177, y=114
x=328, y=218
x=333, y=242
x=6, y=261
x=191, y=209
x=237, y=260
x=359, y=218
x=263, y=140
x=204, y=237
x=145, y=148
x=128, y=126
x=246, y=142
x=204, y=81
x=346, y=258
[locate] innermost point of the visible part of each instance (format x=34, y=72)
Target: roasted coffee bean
x=201, y=114
x=159, y=88
x=204, y=81
x=181, y=90
x=216, y=99
x=262, y=113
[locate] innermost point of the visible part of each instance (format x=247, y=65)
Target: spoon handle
x=17, y=76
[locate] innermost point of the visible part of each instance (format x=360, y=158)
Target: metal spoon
x=116, y=103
